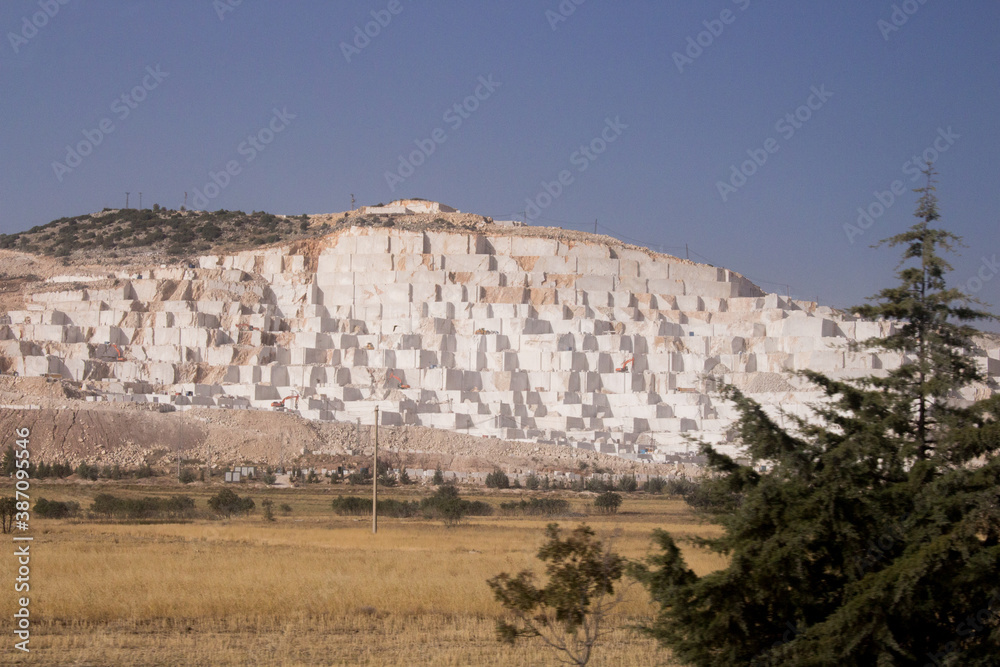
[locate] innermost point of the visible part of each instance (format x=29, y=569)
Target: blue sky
x=647, y=111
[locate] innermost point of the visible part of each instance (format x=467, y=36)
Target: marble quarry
x=491, y=332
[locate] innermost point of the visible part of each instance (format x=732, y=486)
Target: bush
x=628, y=484
x=497, y=480
x=187, y=476
x=531, y=482
x=438, y=476
x=85, y=471
x=268, y=506
x=226, y=502
x=655, y=485
x=361, y=477
x=598, y=485
x=535, y=507
x=53, y=509
x=285, y=508
x=608, y=502
x=112, y=507
x=446, y=505
x=355, y=506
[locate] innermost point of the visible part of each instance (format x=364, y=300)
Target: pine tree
x=874, y=537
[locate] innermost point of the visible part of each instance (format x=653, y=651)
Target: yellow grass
x=311, y=588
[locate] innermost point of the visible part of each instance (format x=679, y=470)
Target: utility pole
x=185, y=201
x=352, y=201
x=375, y=480
x=687, y=255
x=140, y=201
x=126, y=199
x=595, y=225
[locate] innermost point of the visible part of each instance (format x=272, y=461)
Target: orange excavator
x=121, y=357
x=625, y=367
x=280, y=405
x=402, y=385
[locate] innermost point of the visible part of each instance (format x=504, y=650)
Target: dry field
x=311, y=588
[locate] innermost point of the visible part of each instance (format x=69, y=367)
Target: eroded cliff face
x=489, y=333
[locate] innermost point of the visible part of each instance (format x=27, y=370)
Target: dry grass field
x=310, y=588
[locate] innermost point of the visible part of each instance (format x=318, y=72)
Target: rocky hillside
x=437, y=321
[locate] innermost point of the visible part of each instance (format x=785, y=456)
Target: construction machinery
x=625, y=367
x=402, y=385
x=118, y=352
x=280, y=405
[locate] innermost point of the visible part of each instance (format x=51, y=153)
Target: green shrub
x=355, y=506
x=113, y=507
x=535, y=507
x=608, y=502
x=53, y=509
x=85, y=471
x=628, y=484
x=655, y=485
x=448, y=506
x=227, y=503
x=497, y=480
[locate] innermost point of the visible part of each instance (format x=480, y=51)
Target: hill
x=446, y=321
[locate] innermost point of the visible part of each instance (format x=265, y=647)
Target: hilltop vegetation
x=162, y=231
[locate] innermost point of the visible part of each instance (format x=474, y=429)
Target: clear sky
x=750, y=132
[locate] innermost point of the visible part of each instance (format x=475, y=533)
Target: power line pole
x=126, y=199
x=140, y=201
x=352, y=201
x=595, y=225
x=375, y=480
x=687, y=255
x=185, y=201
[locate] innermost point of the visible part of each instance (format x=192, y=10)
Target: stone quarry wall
x=518, y=337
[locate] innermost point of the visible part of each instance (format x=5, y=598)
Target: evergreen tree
x=874, y=537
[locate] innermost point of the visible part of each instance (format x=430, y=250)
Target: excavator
x=280, y=405
x=402, y=385
x=625, y=367
x=121, y=357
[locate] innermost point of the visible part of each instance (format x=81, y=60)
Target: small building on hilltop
x=408, y=207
